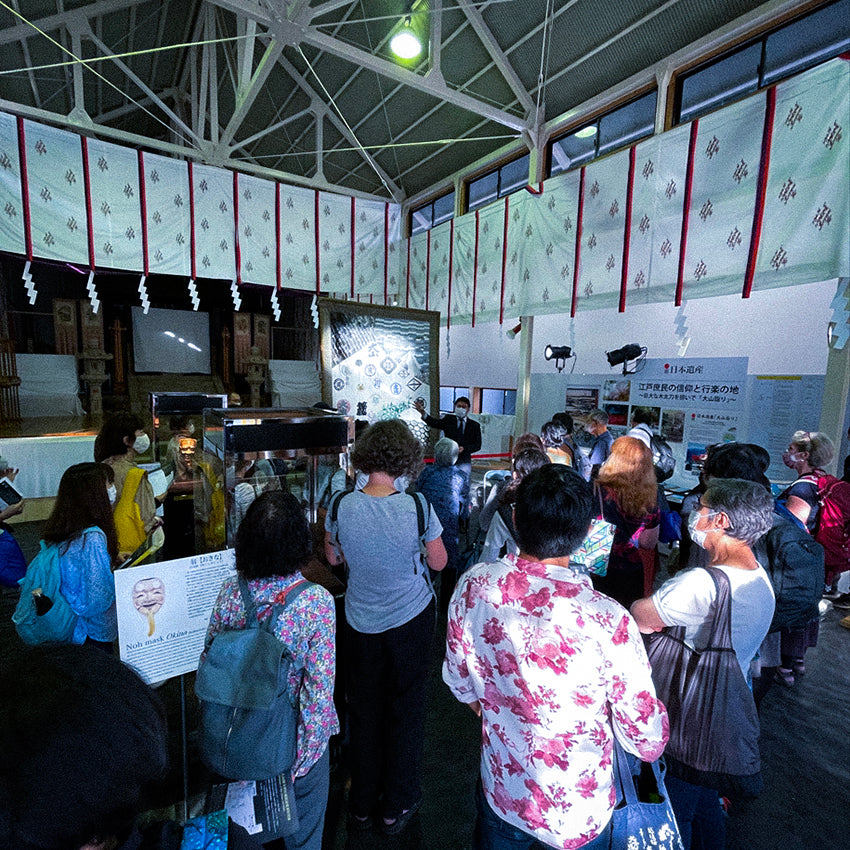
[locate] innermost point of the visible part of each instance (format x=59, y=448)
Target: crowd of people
x=557, y=662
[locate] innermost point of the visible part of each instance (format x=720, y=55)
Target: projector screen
x=171, y=341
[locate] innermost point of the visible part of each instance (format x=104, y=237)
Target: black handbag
x=714, y=726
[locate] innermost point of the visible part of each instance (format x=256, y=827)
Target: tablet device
x=8, y=494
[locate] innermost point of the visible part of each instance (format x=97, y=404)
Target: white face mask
x=142, y=444
x=699, y=535
x=460, y=411
x=112, y=493
x=790, y=459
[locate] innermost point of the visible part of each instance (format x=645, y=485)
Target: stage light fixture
x=560, y=354
x=626, y=354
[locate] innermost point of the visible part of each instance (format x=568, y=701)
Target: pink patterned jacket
x=555, y=665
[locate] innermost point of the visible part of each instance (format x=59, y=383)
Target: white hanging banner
x=116, y=212
x=491, y=238
x=212, y=197
x=298, y=238
x=167, y=216
x=335, y=242
x=370, y=248
x=56, y=188
x=438, y=277
x=463, y=267
x=12, y=236
x=257, y=235
x=418, y=271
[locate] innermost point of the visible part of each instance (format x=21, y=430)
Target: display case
x=177, y=422
x=245, y=452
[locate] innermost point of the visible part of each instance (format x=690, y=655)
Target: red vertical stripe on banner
x=577, y=261
x=761, y=190
x=277, y=235
x=25, y=189
x=475, y=269
x=143, y=203
x=627, y=236
x=428, y=271
x=316, y=225
x=192, y=245
x=386, y=251
x=686, y=212
x=451, y=272
x=352, y=245
x=84, y=144
x=407, y=281
x=504, y=262
x=236, y=247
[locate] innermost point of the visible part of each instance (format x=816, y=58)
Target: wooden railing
x=10, y=405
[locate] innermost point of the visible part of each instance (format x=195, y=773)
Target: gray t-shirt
x=379, y=538
x=687, y=600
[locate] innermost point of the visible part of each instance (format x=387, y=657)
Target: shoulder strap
x=421, y=508
x=291, y=594
x=131, y=483
x=721, y=630
x=334, y=512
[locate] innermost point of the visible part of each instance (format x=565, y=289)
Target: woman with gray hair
x=442, y=483
x=731, y=515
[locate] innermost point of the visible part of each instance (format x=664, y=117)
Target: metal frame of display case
x=258, y=434
x=171, y=404
x=327, y=307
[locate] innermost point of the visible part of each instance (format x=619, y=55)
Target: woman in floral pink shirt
x=555, y=670
x=272, y=544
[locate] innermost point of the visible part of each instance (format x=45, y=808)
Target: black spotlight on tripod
x=633, y=354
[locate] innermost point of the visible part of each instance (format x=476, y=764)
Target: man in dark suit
x=464, y=431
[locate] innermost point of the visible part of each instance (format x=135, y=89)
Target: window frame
x=496, y=169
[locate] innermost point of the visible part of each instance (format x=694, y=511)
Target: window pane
x=492, y=401
x=513, y=176
x=483, y=190
x=804, y=43
x=510, y=402
x=444, y=208
x=727, y=80
x=420, y=219
x=572, y=151
x=447, y=398
x=625, y=125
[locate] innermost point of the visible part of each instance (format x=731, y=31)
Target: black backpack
x=794, y=562
x=248, y=724
x=662, y=458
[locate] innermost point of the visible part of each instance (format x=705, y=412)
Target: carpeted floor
x=805, y=754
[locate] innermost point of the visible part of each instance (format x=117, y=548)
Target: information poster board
x=164, y=610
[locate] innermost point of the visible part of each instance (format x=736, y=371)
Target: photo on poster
x=695, y=458
x=673, y=425
x=580, y=401
x=618, y=416
x=653, y=412
x=616, y=389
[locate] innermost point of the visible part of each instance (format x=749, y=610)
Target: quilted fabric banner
x=726, y=164
x=298, y=238
x=56, y=188
x=603, y=226
x=369, y=248
x=335, y=243
x=417, y=273
x=167, y=216
x=257, y=234
x=491, y=236
x=545, y=243
x=658, y=197
x=116, y=217
x=12, y=219
x=807, y=200
x=212, y=199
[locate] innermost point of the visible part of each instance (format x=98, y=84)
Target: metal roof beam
x=500, y=60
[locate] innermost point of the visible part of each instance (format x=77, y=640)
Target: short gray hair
x=598, y=415
x=747, y=504
x=446, y=452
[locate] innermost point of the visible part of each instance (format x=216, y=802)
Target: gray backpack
x=248, y=724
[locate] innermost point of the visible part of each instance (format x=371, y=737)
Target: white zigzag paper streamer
x=143, y=295
x=234, y=291
x=681, y=330
x=193, y=294
x=275, y=306
x=28, y=284
x=840, y=314
x=314, y=309
x=95, y=301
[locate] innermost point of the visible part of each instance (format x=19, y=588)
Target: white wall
x=482, y=356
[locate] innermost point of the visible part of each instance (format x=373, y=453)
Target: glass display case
x=177, y=422
x=245, y=452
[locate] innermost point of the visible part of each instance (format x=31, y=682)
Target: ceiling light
x=625, y=354
x=405, y=43
x=586, y=132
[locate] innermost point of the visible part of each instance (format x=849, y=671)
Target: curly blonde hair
x=629, y=475
x=820, y=448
